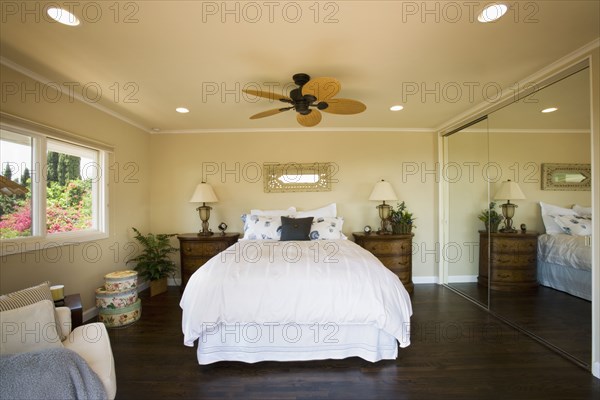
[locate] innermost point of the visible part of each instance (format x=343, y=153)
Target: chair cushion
x=29, y=296
x=29, y=328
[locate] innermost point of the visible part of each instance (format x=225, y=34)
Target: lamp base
x=209, y=233
x=507, y=230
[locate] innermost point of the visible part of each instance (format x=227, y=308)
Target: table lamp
x=383, y=191
x=508, y=191
x=204, y=193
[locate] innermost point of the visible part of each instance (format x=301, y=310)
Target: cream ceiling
x=149, y=57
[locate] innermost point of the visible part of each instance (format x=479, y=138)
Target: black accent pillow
x=295, y=228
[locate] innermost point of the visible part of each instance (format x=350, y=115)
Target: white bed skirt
x=252, y=343
x=577, y=282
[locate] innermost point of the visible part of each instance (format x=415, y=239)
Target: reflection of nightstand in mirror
x=73, y=301
x=512, y=262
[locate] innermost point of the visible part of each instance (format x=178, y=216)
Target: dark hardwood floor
x=458, y=351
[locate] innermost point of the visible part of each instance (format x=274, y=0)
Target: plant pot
x=493, y=228
x=158, y=286
x=401, y=229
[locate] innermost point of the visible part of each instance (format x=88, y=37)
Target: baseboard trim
x=419, y=280
x=596, y=369
x=462, y=278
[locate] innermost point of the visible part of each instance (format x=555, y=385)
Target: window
x=52, y=191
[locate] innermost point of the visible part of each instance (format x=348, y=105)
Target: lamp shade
x=509, y=190
x=383, y=191
x=204, y=193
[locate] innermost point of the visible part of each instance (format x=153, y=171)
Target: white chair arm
x=63, y=315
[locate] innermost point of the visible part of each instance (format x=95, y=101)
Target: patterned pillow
x=257, y=227
x=327, y=228
x=29, y=296
x=574, y=224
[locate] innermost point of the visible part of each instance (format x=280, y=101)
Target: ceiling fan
x=311, y=97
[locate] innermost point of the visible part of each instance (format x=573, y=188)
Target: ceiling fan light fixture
x=492, y=12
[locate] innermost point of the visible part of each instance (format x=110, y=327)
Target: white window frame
x=40, y=239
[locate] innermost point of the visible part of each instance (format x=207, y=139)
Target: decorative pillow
x=323, y=212
x=295, y=228
x=29, y=328
x=574, y=225
x=326, y=228
x=274, y=213
x=257, y=227
x=31, y=295
x=583, y=211
x=548, y=212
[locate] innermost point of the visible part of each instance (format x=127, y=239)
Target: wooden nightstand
x=394, y=251
x=195, y=250
x=73, y=301
x=512, y=261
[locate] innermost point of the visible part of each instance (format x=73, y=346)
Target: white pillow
x=258, y=227
x=574, y=225
x=327, y=228
x=583, y=211
x=29, y=328
x=323, y=212
x=275, y=213
x=548, y=212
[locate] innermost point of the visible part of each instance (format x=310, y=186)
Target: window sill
x=36, y=243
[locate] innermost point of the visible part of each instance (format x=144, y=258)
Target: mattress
x=251, y=302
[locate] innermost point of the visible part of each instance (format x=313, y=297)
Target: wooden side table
x=394, y=251
x=512, y=260
x=73, y=301
x=195, y=250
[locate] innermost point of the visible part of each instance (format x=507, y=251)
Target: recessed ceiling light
x=492, y=12
x=62, y=16
x=549, y=110
x=182, y=110
x=396, y=108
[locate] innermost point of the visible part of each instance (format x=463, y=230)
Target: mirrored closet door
x=529, y=277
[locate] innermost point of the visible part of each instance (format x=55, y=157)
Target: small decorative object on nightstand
x=512, y=260
x=394, y=251
x=195, y=250
x=222, y=227
x=367, y=230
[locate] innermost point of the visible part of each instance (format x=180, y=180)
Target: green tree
x=68, y=168
x=52, y=162
x=7, y=172
x=25, y=177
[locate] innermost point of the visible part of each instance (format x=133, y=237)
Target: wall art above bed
x=566, y=177
x=298, y=177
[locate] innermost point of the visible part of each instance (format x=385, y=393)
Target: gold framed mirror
x=566, y=177
x=298, y=177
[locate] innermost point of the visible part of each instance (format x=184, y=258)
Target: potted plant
x=401, y=220
x=491, y=218
x=153, y=263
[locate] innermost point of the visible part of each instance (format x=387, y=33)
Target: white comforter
x=566, y=250
x=304, y=282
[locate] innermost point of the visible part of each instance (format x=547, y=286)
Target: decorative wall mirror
x=298, y=177
x=566, y=177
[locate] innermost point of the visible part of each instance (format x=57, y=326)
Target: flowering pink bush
x=17, y=223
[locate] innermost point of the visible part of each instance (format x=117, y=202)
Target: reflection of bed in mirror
x=564, y=263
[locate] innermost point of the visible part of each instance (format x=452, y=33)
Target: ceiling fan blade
x=344, y=106
x=269, y=95
x=270, y=112
x=322, y=88
x=311, y=119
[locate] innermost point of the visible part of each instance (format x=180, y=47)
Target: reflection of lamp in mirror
x=508, y=191
x=383, y=191
x=204, y=194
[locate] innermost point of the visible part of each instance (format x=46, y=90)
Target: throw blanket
x=57, y=373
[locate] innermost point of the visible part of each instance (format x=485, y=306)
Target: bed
x=564, y=260
x=272, y=300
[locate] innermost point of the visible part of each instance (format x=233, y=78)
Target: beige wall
x=129, y=206
x=362, y=158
